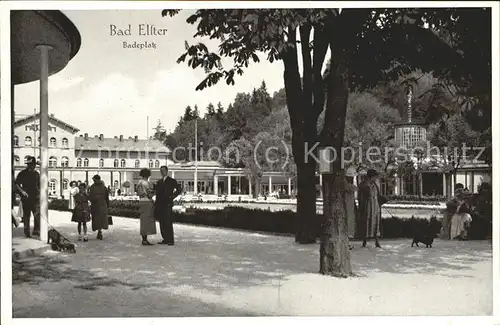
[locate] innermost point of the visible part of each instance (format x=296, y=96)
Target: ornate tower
x=408, y=134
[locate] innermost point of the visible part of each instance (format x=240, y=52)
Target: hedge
x=280, y=222
x=129, y=209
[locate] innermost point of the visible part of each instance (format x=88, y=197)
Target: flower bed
x=416, y=198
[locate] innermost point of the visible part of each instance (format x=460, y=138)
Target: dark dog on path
x=59, y=242
x=424, y=238
x=427, y=233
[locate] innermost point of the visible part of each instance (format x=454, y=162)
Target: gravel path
x=219, y=272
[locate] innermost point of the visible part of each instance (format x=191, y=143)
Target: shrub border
x=257, y=220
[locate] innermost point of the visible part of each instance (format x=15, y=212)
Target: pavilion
x=42, y=44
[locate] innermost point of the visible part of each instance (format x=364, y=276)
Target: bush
x=129, y=209
x=59, y=205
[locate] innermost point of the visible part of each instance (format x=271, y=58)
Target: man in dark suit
x=167, y=189
x=28, y=185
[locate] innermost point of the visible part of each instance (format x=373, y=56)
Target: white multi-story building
x=74, y=157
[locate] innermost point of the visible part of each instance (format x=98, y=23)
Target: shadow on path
x=215, y=260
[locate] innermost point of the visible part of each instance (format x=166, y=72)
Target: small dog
x=59, y=242
x=54, y=237
x=425, y=236
x=426, y=239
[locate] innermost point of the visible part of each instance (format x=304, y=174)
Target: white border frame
x=5, y=97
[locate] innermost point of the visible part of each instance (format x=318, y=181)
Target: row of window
x=53, y=184
x=116, y=163
x=52, y=161
x=28, y=142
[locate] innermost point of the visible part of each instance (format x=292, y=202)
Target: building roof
x=30, y=28
x=202, y=163
x=97, y=143
x=53, y=119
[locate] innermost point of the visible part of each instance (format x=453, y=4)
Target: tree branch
x=293, y=87
x=319, y=54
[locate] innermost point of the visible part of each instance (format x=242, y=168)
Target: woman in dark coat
x=369, y=208
x=99, y=199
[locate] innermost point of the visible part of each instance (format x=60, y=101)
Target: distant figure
x=28, y=186
x=147, y=218
x=167, y=189
x=99, y=199
x=81, y=212
x=459, y=189
x=370, y=201
x=73, y=190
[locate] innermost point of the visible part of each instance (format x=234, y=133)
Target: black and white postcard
x=244, y=159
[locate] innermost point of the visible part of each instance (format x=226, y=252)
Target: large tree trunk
x=298, y=108
x=306, y=230
x=335, y=257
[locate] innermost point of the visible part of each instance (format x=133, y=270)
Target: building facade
x=79, y=158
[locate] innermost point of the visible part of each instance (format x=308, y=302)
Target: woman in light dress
x=145, y=192
x=460, y=222
x=73, y=190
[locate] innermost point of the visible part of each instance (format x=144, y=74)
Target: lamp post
x=196, y=156
x=44, y=144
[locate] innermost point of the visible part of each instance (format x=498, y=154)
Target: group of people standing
x=156, y=203
x=91, y=204
x=364, y=220
x=457, y=218
x=95, y=202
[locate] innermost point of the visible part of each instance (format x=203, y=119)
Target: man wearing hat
x=28, y=185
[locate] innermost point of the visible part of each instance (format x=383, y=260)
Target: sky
x=112, y=90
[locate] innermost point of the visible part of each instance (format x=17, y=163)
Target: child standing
x=81, y=213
